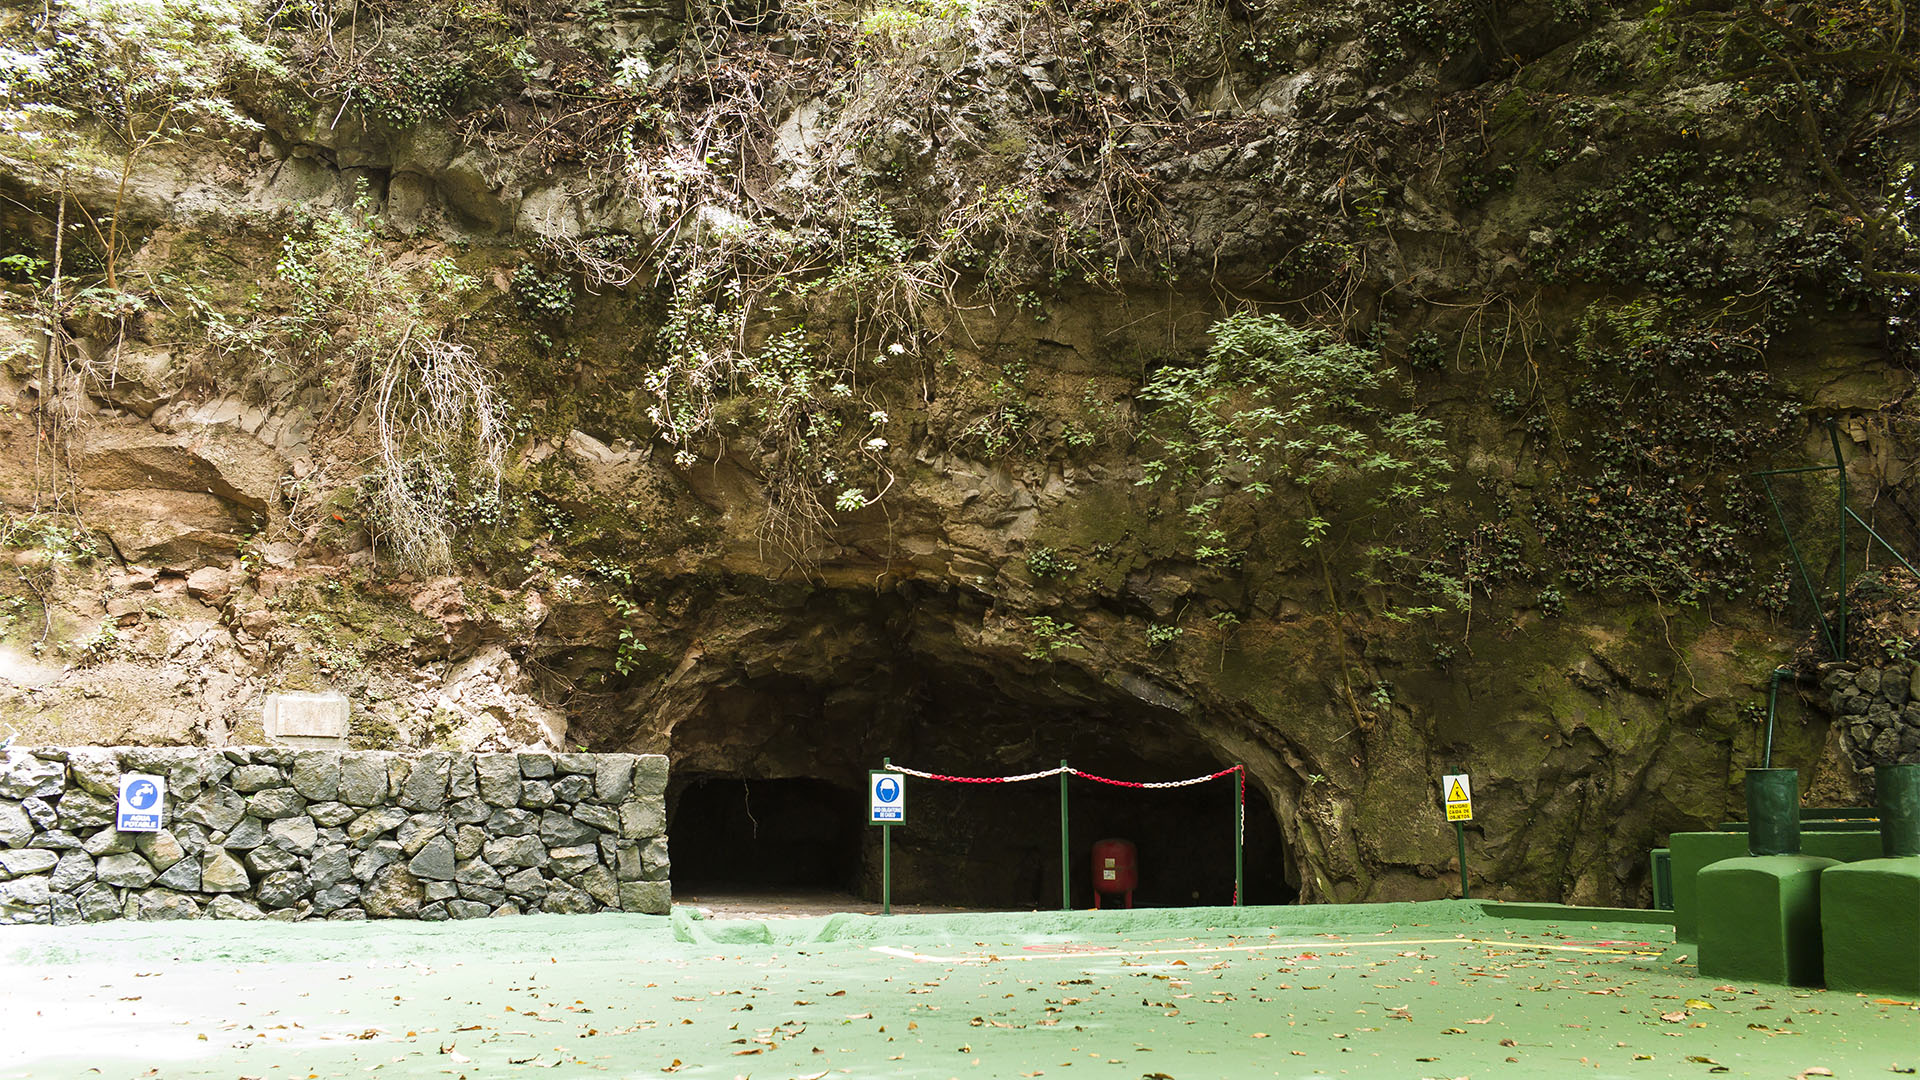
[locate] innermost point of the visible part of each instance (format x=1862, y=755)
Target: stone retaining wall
x=1879, y=710
x=277, y=833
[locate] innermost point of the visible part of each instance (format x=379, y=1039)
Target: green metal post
x=1833, y=433
x=886, y=859
x=1773, y=812
x=1773, y=698
x=1240, y=835
x=1897, y=797
x=1066, y=864
x=1460, y=837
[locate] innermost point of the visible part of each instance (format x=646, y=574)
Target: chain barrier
x=1150, y=784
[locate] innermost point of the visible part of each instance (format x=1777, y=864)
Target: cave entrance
x=738, y=835
x=787, y=723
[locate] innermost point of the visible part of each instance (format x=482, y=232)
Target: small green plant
x=627, y=647
x=1045, y=562
x=1159, y=635
x=1049, y=636
x=97, y=646
x=1551, y=603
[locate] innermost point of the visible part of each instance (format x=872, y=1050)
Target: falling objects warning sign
x=1458, y=793
x=886, y=798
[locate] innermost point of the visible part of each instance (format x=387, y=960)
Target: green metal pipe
x=1066, y=864
x=1891, y=550
x=1773, y=698
x=1792, y=471
x=1833, y=432
x=1800, y=564
x=1896, y=793
x=886, y=858
x=1773, y=811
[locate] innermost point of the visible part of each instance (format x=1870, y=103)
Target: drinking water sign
x=142, y=800
x=886, y=798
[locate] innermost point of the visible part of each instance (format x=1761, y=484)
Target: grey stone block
x=468, y=841
x=222, y=873
x=217, y=809
x=462, y=780
x=393, y=893
x=248, y=779
x=598, y=883
x=650, y=775
x=183, y=876
x=162, y=848
x=515, y=851
x=513, y=823
x=604, y=818
x=316, y=775
x=559, y=830
x=249, y=834
x=646, y=897
x=98, y=904
x=654, y=858
x=433, y=912
x=469, y=811
x=72, y=873
x=56, y=840
x=440, y=890
x=124, y=871
x=42, y=813
x=84, y=810
x=435, y=862
x=276, y=803
x=568, y=861
x=163, y=905
x=26, y=861
x=420, y=828
x=375, y=823
x=642, y=819
x=467, y=909
x=527, y=885
x=612, y=777
x=282, y=890
x=363, y=778
x=330, y=867
x=477, y=872
x=95, y=769
x=109, y=842
x=481, y=894
x=536, y=794
x=564, y=899
x=22, y=774
x=371, y=861
x=329, y=814
x=295, y=834
x=233, y=907
x=267, y=859
x=336, y=898
x=16, y=828
x=425, y=787
x=573, y=789
x=534, y=766
x=498, y=778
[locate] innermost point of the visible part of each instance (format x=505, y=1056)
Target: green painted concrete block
x=1760, y=919
x=1870, y=923
x=1695, y=851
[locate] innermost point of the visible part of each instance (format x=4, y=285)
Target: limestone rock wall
x=275, y=833
x=1879, y=710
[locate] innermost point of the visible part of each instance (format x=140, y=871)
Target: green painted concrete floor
x=1442, y=989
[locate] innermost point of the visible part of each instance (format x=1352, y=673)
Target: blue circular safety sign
x=142, y=794
x=887, y=790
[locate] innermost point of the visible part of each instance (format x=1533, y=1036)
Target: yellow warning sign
x=1458, y=794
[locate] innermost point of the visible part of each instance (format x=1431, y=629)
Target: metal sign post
x=1457, y=792
x=1066, y=863
x=886, y=807
x=1239, y=835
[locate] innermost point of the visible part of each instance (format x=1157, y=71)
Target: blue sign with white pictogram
x=142, y=803
x=887, y=804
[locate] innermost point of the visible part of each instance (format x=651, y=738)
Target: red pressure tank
x=1116, y=869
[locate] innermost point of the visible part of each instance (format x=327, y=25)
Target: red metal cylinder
x=1116, y=869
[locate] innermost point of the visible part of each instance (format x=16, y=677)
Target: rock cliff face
x=1360, y=394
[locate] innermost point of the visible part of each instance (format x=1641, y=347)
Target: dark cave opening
x=790, y=719
x=790, y=833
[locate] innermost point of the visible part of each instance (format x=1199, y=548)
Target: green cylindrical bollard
x=1896, y=793
x=1773, y=811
